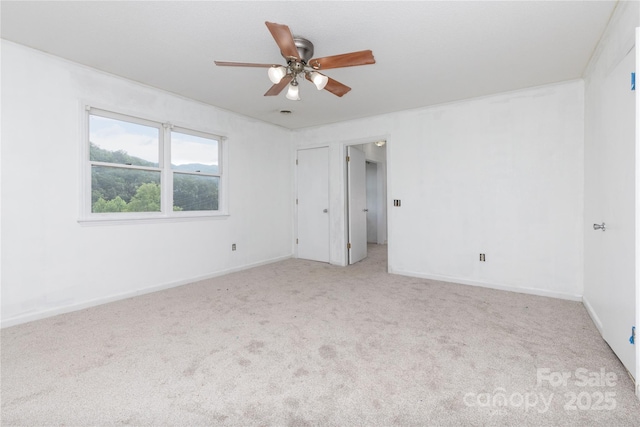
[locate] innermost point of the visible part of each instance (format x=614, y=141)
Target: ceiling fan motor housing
x=305, y=49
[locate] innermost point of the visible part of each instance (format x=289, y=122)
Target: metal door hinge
x=348, y=245
x=296, y=241
x=348, y=158
x=296, y=162
x=296, y=201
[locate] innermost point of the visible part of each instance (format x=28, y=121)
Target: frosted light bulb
x=292, y=93
x=319, y=80
x=276, y=74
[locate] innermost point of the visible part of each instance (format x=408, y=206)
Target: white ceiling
x=427, y=52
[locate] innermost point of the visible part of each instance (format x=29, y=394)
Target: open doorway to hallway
x=367, y=224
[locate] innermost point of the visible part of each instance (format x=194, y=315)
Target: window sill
x=128, y=220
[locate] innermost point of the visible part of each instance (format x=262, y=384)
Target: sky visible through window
x=143, y=141
x=187, y=149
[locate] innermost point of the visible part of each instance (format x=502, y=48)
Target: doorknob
x=325, y=210
x=599, y=227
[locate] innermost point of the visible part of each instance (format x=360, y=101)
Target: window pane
x=195, y=192
x=117, y=141
x=193, y=153
x=116, y=189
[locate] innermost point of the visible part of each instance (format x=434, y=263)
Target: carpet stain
x=301, y=372
x=298, y=422
x=29, y=397
x=191, y=369
x=327, y=352
x=347, y=369
x=455, y=351
x=443, y=339
x=255, y=347
x=244, y=362
x=220, y=417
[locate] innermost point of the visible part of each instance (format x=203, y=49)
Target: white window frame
x=164, y=168
x=170, y=172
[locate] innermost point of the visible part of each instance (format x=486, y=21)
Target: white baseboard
x=456, y=280
x=592, y=314
x=37, y=315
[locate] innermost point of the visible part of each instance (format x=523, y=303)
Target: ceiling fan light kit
x=276, y=73
x=293, y=93
x=318, y=79
x=298, y=53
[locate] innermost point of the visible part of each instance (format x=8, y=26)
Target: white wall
x=610, y=169
x=501, y=175
x=51, y=263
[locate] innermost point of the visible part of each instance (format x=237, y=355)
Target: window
x=195, y=167
x=144, y=169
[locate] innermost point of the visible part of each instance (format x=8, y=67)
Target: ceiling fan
x=298, y=53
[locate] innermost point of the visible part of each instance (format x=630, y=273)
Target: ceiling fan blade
x=283, y=37
x=336, y=88
x=333, y=86
x=243, y=64
x=277, y=88
x=362, y=57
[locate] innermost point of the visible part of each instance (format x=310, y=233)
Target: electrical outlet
x=482, y=258
x=233, y=246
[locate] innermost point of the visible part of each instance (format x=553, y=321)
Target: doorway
x=365, y=198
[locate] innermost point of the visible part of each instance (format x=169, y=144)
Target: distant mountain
x=98, y=154
x=122, y=157
x=196, y=167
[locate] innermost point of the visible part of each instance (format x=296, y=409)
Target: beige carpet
x=299, y=343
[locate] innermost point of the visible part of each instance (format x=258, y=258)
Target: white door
x=313, y=204
x=610, y=198
x=357, y=202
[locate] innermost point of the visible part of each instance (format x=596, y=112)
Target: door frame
x=637, y=217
